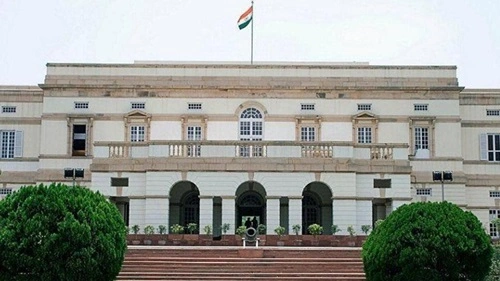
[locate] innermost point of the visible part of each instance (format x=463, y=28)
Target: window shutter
x=18, y=146
x=483, y=146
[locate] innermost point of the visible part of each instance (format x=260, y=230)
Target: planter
x=162, y=242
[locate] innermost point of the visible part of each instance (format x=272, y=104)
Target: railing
x=250, y=149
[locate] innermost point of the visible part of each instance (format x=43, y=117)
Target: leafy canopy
x=428, y=241
x=59, y=232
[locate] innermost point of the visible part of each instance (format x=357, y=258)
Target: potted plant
x=296, y=229
x=162, y=230
x=135, y=229
x=280, y=231
x=148, y=231
x=315, y=230
x=335, y=229
x=261, y=229
x=225, y=228
x=240, y=231
x=207, y=240
x=192, y=227
x=352, y=233
x=176, y=231
x=335, y=241
x=366, y=228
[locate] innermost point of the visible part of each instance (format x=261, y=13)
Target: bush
x=162, y=229
x=59, y=232
x=176, y=229
x=428, y=241
x=280, y=230
x=192, y=227
x=149, y=230
x=494, y=274
x=296, y=229
x=241, y=230
x=261, y=229
x=315, y=229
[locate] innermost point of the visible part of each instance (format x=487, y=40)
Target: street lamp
x=73, y=173
x=442, y=176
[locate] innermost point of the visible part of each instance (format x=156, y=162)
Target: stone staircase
x=237, y=263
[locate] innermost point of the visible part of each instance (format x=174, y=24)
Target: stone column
x=206, y=212
x=228, y=212
x=345, y=213
x=157, y=211
x=273, y=213
x=136, y=212
x=294, y=212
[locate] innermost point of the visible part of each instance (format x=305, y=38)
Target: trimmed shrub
x=59, y=232
x=428, y=241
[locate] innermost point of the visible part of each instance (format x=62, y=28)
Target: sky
x=465, y=33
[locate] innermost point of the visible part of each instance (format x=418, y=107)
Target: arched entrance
x=184, y=204
x=250, y=204
x=317, y=207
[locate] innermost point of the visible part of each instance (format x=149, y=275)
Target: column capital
x=228, y=197
x=295, y=197
x=272, y=197
x=206, y=197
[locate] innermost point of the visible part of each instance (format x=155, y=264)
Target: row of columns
x=155, y=211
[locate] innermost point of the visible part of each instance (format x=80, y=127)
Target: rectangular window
x=492, y=112
x=119, y=182
x=494, y=194
x=424, y=191
x=138, y=105
x=364, y=135
x=79, y=140
x=194, y=134
x=494, y=215
x=364, y=107
x=8, y=109
x=5, y=191
x=194, y=106
x=381, y=183
x=420, y=107
x=81, y=105
x=307, y=134
x=490, y=147
x=307, y=106
x=245, y=128
x=137, y=133
x=12, y=144
x=421, y=137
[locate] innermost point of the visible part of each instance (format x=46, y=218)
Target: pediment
x=364, y=115
x=137, y=114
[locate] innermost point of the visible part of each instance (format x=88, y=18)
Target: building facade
x=284, y=144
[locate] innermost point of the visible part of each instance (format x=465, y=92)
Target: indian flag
x=245, y=18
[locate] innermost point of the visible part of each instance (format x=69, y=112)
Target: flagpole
x=251, y=47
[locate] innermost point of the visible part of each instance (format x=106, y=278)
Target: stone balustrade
x=250, y=149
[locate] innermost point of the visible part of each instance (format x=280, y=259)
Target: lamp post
x=73, y=173
x=442, y=176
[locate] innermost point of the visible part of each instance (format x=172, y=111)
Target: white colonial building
x=286, y=144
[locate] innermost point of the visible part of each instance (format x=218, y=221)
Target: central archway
x=317, y=206
x=250, y=204
x=184, y=204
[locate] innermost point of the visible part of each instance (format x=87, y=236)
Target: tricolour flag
x=245, y=18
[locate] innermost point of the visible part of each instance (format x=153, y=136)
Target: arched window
x=251, y=130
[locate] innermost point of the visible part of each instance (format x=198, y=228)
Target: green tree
x=428, y=241
x=58, y=232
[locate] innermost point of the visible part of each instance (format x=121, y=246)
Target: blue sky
x=465, y=33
